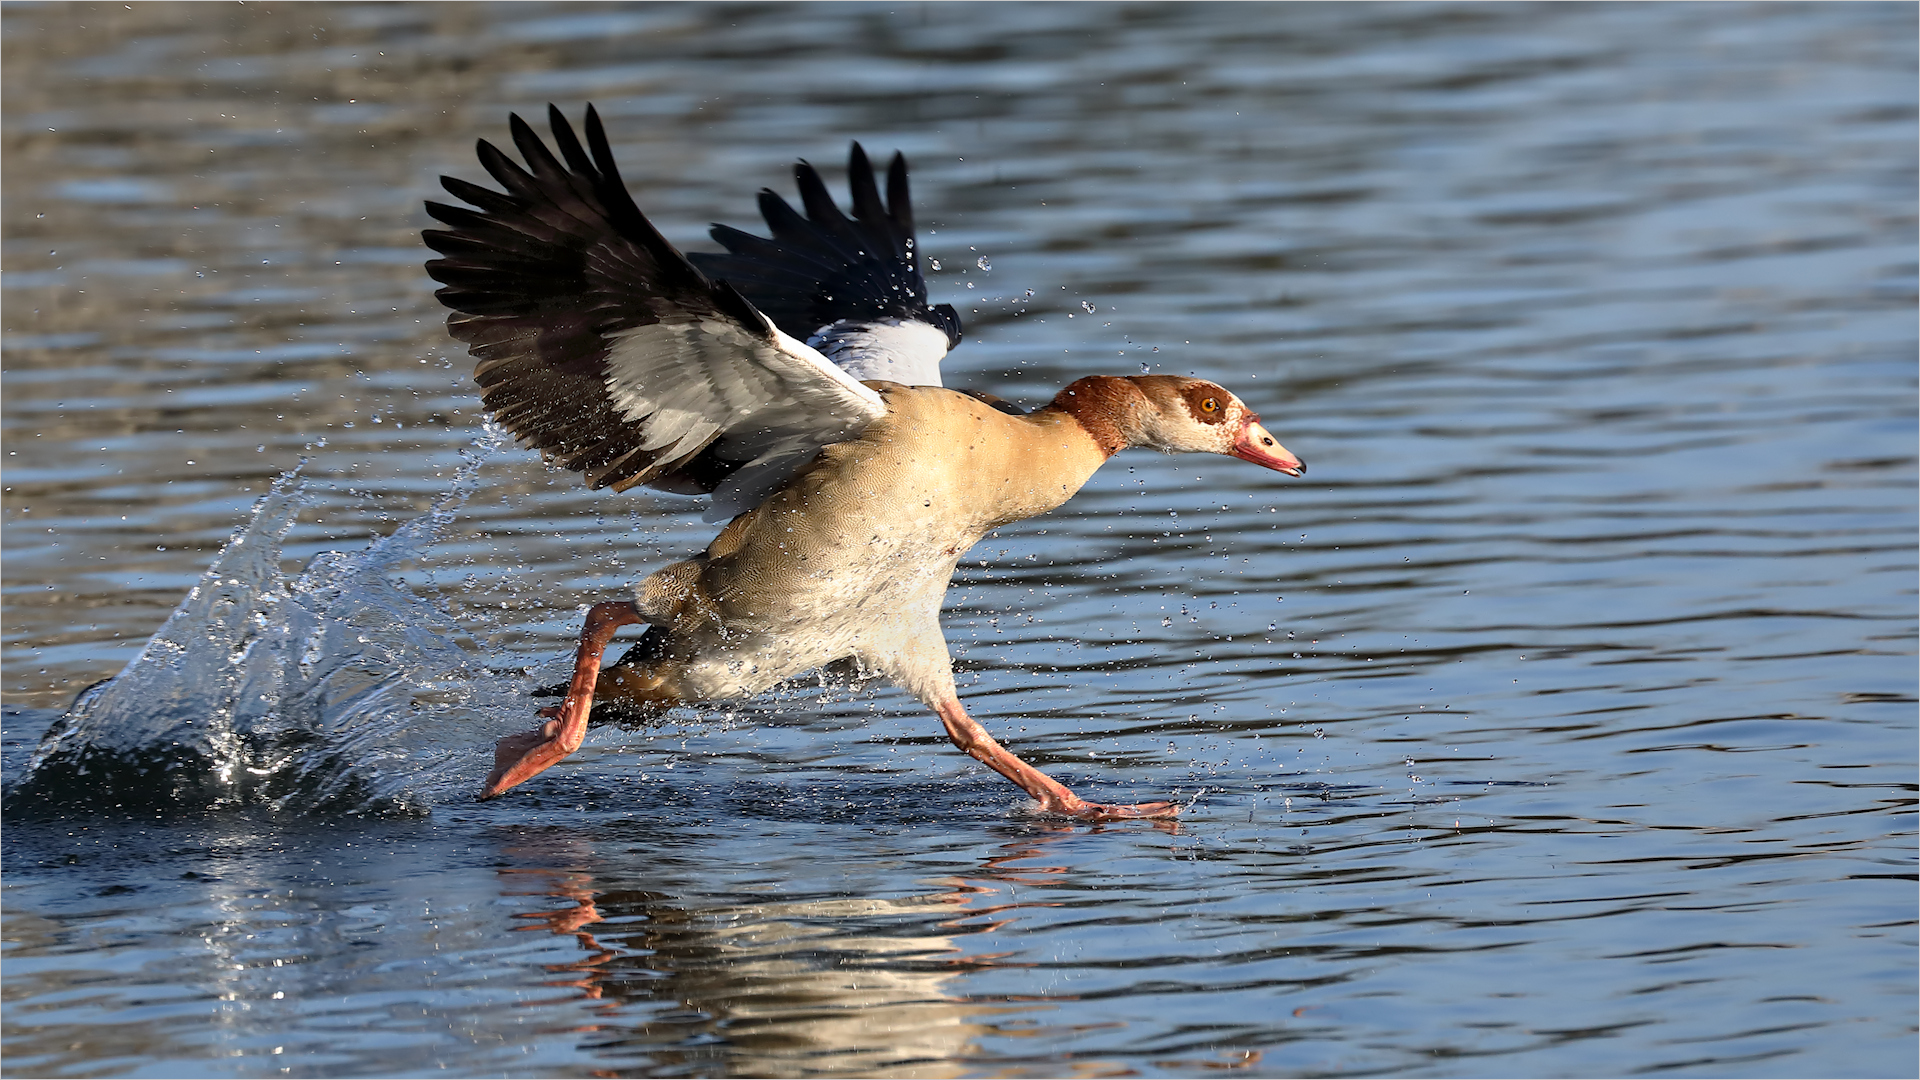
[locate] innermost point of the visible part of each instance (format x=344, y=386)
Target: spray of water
x=341, y=690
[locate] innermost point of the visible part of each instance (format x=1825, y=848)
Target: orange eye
x=1209, y=405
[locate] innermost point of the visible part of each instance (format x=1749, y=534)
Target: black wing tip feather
x=822, y=266
x=538, y=275
x=573, y=203
x=819, y=267
x=946, y=319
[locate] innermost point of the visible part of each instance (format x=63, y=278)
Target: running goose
x=795, y=381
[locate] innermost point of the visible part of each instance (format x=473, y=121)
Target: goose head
x=1173, y=415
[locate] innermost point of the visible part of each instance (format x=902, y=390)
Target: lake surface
x=1560, y=722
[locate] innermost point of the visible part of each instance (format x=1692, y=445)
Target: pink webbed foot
x=1054, y=797
x=1082, y=810
x=519, y=758
x=1110, y=811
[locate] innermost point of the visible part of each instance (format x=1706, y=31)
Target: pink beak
x=1257, y=445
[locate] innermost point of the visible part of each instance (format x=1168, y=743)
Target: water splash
x=338, y=691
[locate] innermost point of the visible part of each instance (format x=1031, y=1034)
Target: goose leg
x=1053, y=796
x=519, y=758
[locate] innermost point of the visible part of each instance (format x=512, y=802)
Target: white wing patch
x=899, y=350
x=771, y=405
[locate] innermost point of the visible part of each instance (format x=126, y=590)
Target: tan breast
x=888, y=514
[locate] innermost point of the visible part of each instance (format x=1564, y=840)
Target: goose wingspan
x=852, y=287
x=600, y=343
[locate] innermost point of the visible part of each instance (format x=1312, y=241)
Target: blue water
x=1561, y=721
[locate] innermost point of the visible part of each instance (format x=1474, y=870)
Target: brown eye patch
x=1206, y=402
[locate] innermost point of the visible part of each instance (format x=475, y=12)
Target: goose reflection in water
x=832, y=986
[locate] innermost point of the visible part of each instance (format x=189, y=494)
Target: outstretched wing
x=852, y=287
x=598, y=342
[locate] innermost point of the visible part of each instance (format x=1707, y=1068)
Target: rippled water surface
x=1560, y=721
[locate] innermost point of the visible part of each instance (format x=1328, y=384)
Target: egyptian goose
x=794, y=380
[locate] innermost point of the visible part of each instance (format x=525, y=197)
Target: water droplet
x=982, y=263
x=1088, y=308
x=935, y=263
